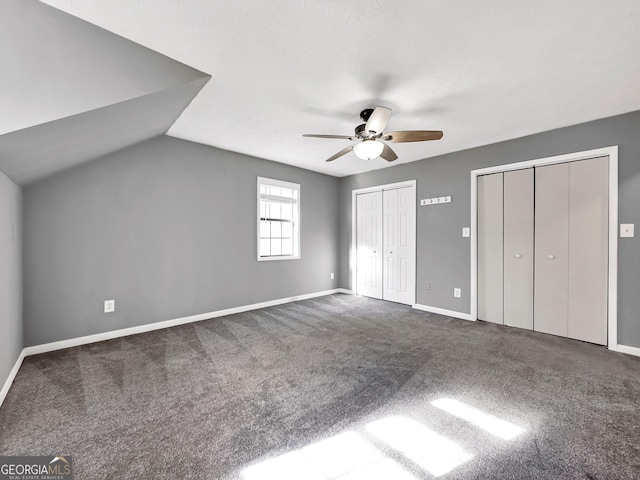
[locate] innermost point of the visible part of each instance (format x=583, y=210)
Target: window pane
x=264, y=229
x=276, y=229
x=286, y=192
x=287, y=229
x=265, y=251
x=274, y=191
x=287, y=211
x=276, y=246
x=287, y=247
x=274, y=210
x=263, y=209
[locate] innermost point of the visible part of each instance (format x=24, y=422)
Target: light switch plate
x=466, y=231
x=626, y=230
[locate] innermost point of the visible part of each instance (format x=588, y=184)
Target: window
x=278, y=220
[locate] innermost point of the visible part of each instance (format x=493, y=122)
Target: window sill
x=270, y=259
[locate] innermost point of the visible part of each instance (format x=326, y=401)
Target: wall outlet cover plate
x=109, y=306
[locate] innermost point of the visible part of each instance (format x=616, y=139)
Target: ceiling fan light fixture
x=370, y=134
x=368, y=149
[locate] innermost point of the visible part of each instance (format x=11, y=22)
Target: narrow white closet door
x=369, y=244
x=391, y=270
x=406, y=249
x=588, y=249
x=551, y=299
x=490, y=248
x=518, y=248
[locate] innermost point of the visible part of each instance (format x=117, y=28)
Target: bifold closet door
x=390, y=265
x=399, y=245
x=588, y=250
x=490, y=248
x=518, y=248
x=369, y=244
x=551, y=299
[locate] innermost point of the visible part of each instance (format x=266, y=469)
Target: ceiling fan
x=370, y=134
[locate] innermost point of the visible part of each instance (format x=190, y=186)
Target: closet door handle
x=517, y=255
x=551, y=257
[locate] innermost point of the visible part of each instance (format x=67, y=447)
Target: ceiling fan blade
x=413, y=136
x=313, y=135
x=342, y=152
x=378, y=120
x=388, y=154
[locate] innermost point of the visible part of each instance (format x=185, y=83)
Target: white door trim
x=612, y=153
x=352, y=251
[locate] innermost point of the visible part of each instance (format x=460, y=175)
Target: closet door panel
x=588, y=249
x=551, y=299
x=518, y=248
x=369, y=244
x=391, y=265
x=490, y=248
x=406, y=249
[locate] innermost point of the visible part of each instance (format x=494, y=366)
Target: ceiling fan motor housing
x=361, y=131
x=365, y=114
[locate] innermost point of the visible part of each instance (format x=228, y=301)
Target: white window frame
x=296, y=225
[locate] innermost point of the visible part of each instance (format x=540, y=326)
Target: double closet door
x=385, y=242
x=543, y=249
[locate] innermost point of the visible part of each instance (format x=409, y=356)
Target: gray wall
x=443, y=255
x=167, y=228
x=37, y=152
x=10, y=275
x=55, y=65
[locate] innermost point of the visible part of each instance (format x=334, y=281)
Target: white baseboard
x=100, y=337
x=628, y=350
x=346, y=291
x=11, y=377
x=442, y=311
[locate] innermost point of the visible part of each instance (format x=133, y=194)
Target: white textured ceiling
x=481, y=71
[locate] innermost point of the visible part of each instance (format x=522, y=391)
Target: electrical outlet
x=427, y=286
x=457, y=292
x=466, y=232
x=109, y=306
x=332, y=276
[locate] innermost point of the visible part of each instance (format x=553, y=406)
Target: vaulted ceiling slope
x=481, y=71
x=33, y=153
x=62, y=75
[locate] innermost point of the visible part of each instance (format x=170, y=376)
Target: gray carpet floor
x=335, y=387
